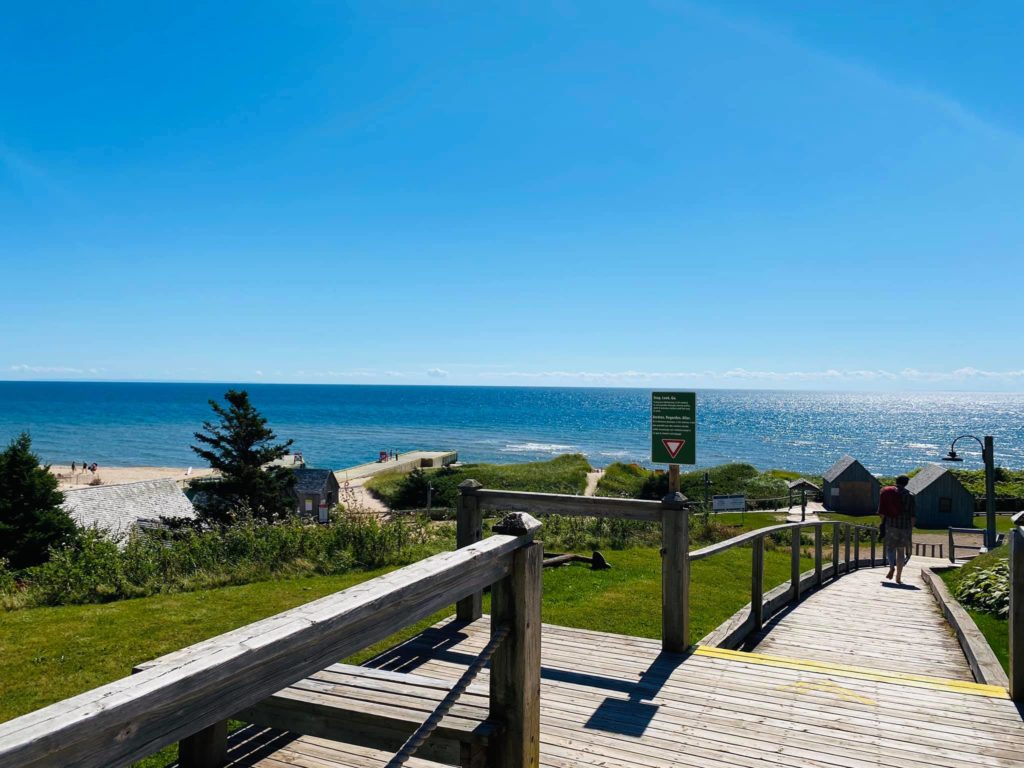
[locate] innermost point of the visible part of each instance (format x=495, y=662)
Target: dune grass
x=562, y=474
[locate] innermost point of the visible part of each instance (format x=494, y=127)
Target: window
x=945, y=505
x=309, y=504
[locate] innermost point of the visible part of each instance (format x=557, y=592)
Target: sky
x=823, y=195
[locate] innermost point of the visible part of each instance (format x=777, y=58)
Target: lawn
x=1003, y=522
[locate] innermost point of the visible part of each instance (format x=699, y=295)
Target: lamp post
x=987, y=454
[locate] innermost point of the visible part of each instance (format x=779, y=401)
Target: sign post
x=673, y=432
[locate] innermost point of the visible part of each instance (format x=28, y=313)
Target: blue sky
x=786, y=194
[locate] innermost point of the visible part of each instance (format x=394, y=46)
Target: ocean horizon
x=337, y=425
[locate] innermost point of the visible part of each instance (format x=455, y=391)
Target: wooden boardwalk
x=864, y=620
x=612, y=700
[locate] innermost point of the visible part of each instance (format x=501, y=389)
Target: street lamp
x=987, y=453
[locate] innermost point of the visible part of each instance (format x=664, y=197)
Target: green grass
x=563, y=474
x=636, y=482
x=995, y=629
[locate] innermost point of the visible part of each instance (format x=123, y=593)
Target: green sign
x=674, y=427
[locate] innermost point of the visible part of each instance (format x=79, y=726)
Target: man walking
x=896, y=508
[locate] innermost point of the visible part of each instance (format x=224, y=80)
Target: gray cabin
x=940, y=499
x=316, y=493
x=849, y=488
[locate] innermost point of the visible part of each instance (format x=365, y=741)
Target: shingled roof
x=119, y=508
x=311, y=480
x=926, y=477
x=838, y=468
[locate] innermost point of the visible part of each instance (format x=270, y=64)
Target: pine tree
x=239, y=447
x=31, y=517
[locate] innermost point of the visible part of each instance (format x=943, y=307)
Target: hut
x=316, y=492
x=940, y=499
x=802, y=486
x=120, y=510
x=849, y=488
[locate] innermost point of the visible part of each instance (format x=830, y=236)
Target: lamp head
x=951, y=456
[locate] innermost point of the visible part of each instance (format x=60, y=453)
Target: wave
x=537, y=448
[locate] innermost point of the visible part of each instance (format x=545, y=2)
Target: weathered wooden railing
x=954, y=546
x=1016, y=615
x=764, y=605
x=673, y=515
x=186, y=696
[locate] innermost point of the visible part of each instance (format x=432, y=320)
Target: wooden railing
x=1015, y=619
x=672, y=513
x=845, y=536
x=187, y=695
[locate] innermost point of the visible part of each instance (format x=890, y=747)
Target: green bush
x=99, y=569
x=986, y=589
x=563, y=474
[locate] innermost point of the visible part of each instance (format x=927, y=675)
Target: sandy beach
x=122, y=475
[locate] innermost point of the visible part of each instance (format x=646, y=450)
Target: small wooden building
x=849, y=488
x=940, y=499
x=802, y=486
x=316, y=493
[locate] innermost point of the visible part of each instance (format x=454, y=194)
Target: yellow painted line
x=857, y=673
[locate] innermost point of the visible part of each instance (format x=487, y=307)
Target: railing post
x=469, y=530
x=835, y=550
x=952, y=554
x=874, y=539
x=757, y=583
x=1016, y=615
x=515, y=667
x=675, y=574
x=855, y=532
x=817, y=555
x=794, y=563
x=846, y=547
x=206, y=749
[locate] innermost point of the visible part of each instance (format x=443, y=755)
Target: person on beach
x=896, y=508
x=72, y=467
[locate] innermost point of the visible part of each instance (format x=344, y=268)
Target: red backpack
x=889, y=504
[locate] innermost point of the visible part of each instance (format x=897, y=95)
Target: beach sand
x=122, y=475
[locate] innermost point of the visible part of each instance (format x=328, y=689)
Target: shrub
x=986, y=589
x=97, y=568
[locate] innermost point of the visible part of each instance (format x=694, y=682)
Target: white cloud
x=23, y=368
x=437, y=373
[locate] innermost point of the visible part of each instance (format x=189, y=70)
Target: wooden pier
x=832, y=670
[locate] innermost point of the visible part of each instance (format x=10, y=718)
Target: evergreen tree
x=239, y=446
x=31, y=517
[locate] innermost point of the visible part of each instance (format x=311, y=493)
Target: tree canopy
x=240, y=446
x=31, y=516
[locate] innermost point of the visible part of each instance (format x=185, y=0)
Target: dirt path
x=355, y=497
x=592, y=479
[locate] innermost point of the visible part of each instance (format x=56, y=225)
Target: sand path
x=592, y=480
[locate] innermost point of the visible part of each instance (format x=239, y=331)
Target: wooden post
x=794, y=563
x=835, y=550
x=855, y=532
x=817, y=555
x=757, y=583
x=515, y=667
x=1016, y=616
x=675, y=574
x=206, y=749
x=469, y=530
x=673, y=478
x=952, y=557
x=846, y=547
x=874, y=540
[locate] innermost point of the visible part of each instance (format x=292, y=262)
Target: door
x=855, y=498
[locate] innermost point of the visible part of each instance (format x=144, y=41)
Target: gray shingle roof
x=118, y=508
x=796, y=485
x=926, y=477
x=311, y=480
x=838, y=468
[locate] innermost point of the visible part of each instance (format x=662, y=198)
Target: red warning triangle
x=673, y=446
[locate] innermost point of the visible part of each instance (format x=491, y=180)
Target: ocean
x=138, y=424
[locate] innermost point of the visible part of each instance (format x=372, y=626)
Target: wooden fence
x=188, y=695
x=1016, y=615
x=672, y=512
